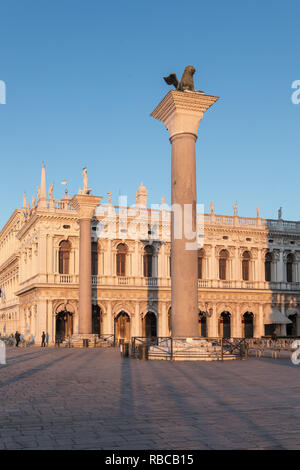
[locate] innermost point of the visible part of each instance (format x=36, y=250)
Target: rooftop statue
x=85, y=189
x=51, y=191
x=186, y=82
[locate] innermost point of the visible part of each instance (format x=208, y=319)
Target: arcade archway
x=96, y=320
x=291, y=328
x=202, y=330
x=122, y=327
x=150, y=325
x=248, y=323
x=63, y=325
x=225, y=325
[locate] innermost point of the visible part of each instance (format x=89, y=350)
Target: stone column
x=85, y=205
x=181, y=112
x=260, y=325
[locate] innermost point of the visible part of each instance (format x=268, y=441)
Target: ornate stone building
x=248, y=270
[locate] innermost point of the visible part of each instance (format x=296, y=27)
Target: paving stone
x=93, y=399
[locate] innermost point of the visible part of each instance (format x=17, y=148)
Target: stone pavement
x=93, y=399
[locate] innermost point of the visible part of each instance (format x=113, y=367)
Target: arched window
x=121, y=259
x=64, y=257
x=245, y=265
x=200, y=263
x=94, y=258
x=268, y=264
x=223, y=261
x=289, y=267
x=148, y=255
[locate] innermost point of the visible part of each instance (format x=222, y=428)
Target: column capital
x=85, y=205
x=182, y=111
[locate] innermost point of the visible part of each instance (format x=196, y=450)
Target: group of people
x=20, y=338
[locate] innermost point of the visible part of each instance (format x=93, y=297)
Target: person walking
x=43, y=340
x=17, y=338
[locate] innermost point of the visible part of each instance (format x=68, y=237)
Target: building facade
x=248, y=271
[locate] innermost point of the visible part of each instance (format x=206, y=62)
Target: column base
x=77, y=340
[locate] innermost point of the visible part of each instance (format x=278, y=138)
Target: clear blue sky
x=83, y=77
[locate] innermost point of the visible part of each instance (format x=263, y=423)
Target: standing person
x=43, y=340
x=17, y=337
x=274, y=335
x=47, y=339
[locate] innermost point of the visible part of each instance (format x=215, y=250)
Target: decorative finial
x=212, y=208
x=280, y=213
x=109, y=197
x=257, y=212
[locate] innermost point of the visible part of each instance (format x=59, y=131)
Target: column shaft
x=85, y=278
x=183, y=260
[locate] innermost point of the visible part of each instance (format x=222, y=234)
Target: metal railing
x=169, y=347
x=268, y=347
x=108, y=338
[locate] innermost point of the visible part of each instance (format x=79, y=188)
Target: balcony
x=218, y=284
x=159, y=282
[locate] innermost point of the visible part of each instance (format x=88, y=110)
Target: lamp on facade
x=208, y=313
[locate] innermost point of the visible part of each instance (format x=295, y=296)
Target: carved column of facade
x=163, y=320
x=214, y=323
x=136, y=258
x=50, y=326
x=237, y=273
x=283, y=327
x=109, y=324
x=259, y=324
x=274, y=267
x=41, y=310
x=297, y=267
x=85, y=206
x=109, y=258
x=280, y=267
x=238, y=333
x=213, y=270
x=137, y=325
x=181, y=113
x=42, y=254
x=260, y=266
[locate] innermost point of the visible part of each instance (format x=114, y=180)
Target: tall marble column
x=85, y=204
x=181, y=112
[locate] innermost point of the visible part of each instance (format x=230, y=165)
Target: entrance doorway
x=248, y=324
x=224, y=325
x=122, y=327
x=202, y=330
x=96, y=320
x=64, y=325
x=291, y=328
x=150, y=328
